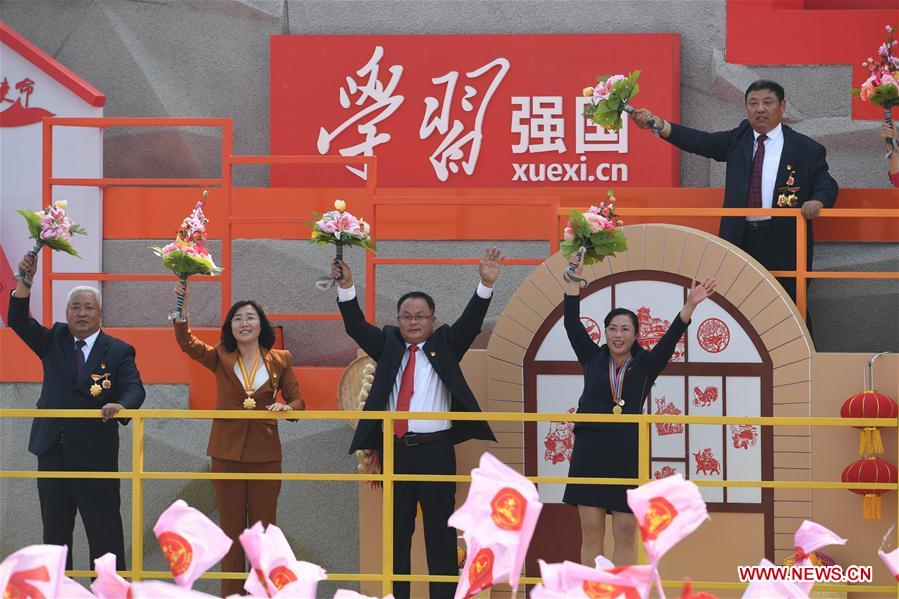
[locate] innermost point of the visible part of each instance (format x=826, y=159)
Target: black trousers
x=98, y=501
x=438, y=502
x=759, y=243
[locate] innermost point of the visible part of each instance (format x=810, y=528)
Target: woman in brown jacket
x=248, y=376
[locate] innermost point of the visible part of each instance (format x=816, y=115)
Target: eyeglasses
x=245, y=319
x=407, y=318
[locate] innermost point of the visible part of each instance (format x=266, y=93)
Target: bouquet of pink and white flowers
x=610, y=97
x=53, y=228
x=188, y=255
x=882, y=85
x=339, y=228
x=593, y=235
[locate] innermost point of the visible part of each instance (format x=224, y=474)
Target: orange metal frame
x=371, y=204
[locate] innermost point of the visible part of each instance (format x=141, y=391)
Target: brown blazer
x=243, y=440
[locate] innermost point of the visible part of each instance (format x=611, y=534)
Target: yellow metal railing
x=138, y=475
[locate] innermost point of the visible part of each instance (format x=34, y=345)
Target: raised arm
x=191, y=345
x=369, y=337
x=28, y=329
x=467, y=327
x=714, y=145
x=664, y=349
x=580, y=341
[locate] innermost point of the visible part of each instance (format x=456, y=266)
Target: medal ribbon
x=616, y=378
x=248, y=378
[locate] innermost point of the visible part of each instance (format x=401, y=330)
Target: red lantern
x=870, y=470
x=870, y=404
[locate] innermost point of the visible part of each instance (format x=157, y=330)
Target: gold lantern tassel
x=872, y=507
x=871, y=443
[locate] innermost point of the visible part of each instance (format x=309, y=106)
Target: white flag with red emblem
x=808, y=538
x=71, y=589
x=108, y=584
x=275, y=571
x=191, y=542
x=156, y=589
x=667, y=510
x=500, y=513
x=576, y=581
x=345, y=594
x=35, y=572
x=485, y=566
x=773, y=589
x=891, y=559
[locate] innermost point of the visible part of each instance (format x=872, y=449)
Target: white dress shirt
x=774, y=146
x=261, y=374
x=430, y=395
x=88, y=344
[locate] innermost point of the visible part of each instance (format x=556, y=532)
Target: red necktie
x=79, y=357
x=407, y=388
x=754, y=198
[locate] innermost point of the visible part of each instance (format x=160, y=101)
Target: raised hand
x=490, y=265
x=701, y=291
x=341, y=273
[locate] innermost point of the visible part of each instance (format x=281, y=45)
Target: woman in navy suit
x=617, y=377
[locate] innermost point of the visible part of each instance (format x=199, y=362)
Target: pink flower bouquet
x=610, y=97
x=340, y=228
x=593, y=234
x=187, y=255
x=53, y=228
x=882, y=85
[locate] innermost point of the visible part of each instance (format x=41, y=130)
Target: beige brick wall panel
x=711, y=260
x=694, y=248
x=793, y=393
x=772, y=315
x=758, y=300
x=654, y=242
x=792, y=460
x=796, y=509
x=791, y=352
x=510, y=330
x=499, y=390
x=503, y=371
x=797, y=444
x=508, y=440
x=792, y=373
x=548, y=284
x=786, y=495
x=731, y=269
x=674, y=249
x=792, y=474
x=792, y=410
x=636, y=253
x=782, y=334
x=535, y=299
x=785, y=525
x=505, y=350
x=745, y=284
x=792, y=431
x=522, y=313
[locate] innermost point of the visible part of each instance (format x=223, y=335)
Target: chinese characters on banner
x=468, y=110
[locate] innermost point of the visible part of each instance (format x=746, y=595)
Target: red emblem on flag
x=20, y=587
x=705, y=398
x=744, y=436
x=658, y=516
x=281, y=576
x=480, y=573
x=593, y=329
x=713, y=335
x=508, y=509
x=667, y=428
x=177, y=551
x=706, y=462
x=601, y=590
x=559, y=441
x=651, y=331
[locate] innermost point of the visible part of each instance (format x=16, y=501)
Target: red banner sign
x=469, y=110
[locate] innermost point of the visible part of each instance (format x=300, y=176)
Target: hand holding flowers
x=882, y=85
x=593, y=234
x=340, y=228
x=610, y=97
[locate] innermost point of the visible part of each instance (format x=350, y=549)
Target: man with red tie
x=418, y=370
x=769, y=165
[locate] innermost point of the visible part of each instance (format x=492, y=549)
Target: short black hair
x=620, y=312
x=416, y=295
x=759, y=84
x=266, y=332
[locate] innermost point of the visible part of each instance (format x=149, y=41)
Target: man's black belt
x=756, y=225
x=411, y=439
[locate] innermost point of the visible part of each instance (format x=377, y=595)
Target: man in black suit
x=789, y=163
x=418, y=370
x=84, y=368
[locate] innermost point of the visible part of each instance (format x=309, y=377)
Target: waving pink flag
x=808, y=538
x=484, y=567
x=191, y=542
x=891, y=559
x=688, y=593
x=773, y=589
x=627, y=582
x=500, y=512
x=667, y=510
x=344, y=594
x=71, y=589
x=156, y=589
x=108, y=584
x=275, y=570
x=35, y=572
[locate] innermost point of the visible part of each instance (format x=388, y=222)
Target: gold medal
x=616, y=410
x=95, y=390
x=248, y=379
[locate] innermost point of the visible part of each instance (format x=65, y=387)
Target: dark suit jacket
x=639, y=377
x=444, y=350
x=804, y=155
x=243, y=440
x=89, y=443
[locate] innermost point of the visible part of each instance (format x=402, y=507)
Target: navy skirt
x=602, y=453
